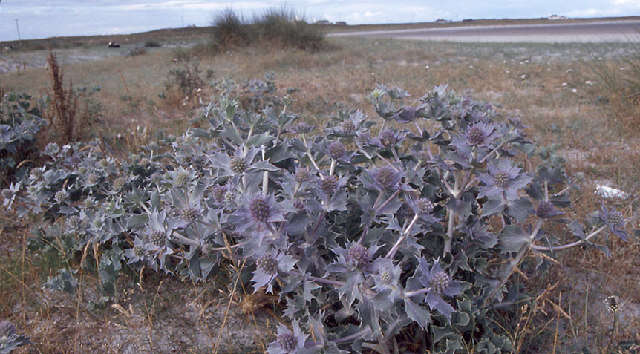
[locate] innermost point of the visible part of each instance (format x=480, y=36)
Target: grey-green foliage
x=364, y=227
x=9, y=339
x=20, y=122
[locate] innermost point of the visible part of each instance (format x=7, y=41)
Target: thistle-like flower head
x=358, y=255
x=503, y=177
x=389, y=138
x=336, y=150
x=257, y=212
x=479, y=134
x=61, y=196
x=440, y=284
x=238, y=165
x=348, y=127
x=614, y=220
x=386, y=179
x=219, y=193
x=269, y=264
x=328, y=185
x=287, y=341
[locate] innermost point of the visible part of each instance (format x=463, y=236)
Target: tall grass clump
x=229, y=29
x=275, y=27
x=284, y=27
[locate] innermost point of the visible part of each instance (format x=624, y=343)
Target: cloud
x=635, y=3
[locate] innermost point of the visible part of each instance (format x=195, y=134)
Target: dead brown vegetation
x=64, y=103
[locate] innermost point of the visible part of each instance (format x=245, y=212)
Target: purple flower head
x=329, y=185
x=138, y=252
x=237, y=164
x=387, y=276
x=358, y=255
x=348, y=127
x=157, y=231
x=336, y=150
x=219, y=193
x=614, y=220
x=354, y=256
x=257, y=213
x=503, y=177
x=181, y=177
x=389, y=138
x=440, y=284
x=385, y=179
x=268, y=265
x=423, y=207
x=156, y=235
x=287, y=341
x=480, y=134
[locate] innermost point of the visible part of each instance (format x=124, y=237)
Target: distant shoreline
x=333, y=28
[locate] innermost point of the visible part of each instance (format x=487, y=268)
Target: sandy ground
x=602, y=31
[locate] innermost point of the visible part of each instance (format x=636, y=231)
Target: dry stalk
x=64, y=103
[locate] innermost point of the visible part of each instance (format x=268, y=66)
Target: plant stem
x=351, y=337
x=404, y=235
x=514, y=263
x=313, y=161
x=568, y=245
x=333, y=167
x=491, y=153
x=265, y=175
x=417, y=292
x=451, y=223
x=384, y=204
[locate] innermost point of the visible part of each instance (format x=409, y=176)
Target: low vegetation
x=201, y=171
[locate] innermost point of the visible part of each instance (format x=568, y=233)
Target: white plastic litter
x=610, y=193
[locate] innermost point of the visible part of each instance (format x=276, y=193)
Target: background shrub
x=283, y=27
x=229, y=29
x=276, y=27
x=152, y=44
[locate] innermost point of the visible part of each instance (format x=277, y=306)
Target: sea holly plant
x=414, y=221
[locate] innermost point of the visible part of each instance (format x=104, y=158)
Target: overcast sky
x=47, y=18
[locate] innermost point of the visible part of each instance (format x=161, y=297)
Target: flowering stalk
x=265, y=177
x=451, y=222
x=417, y=292
x=308, y=153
